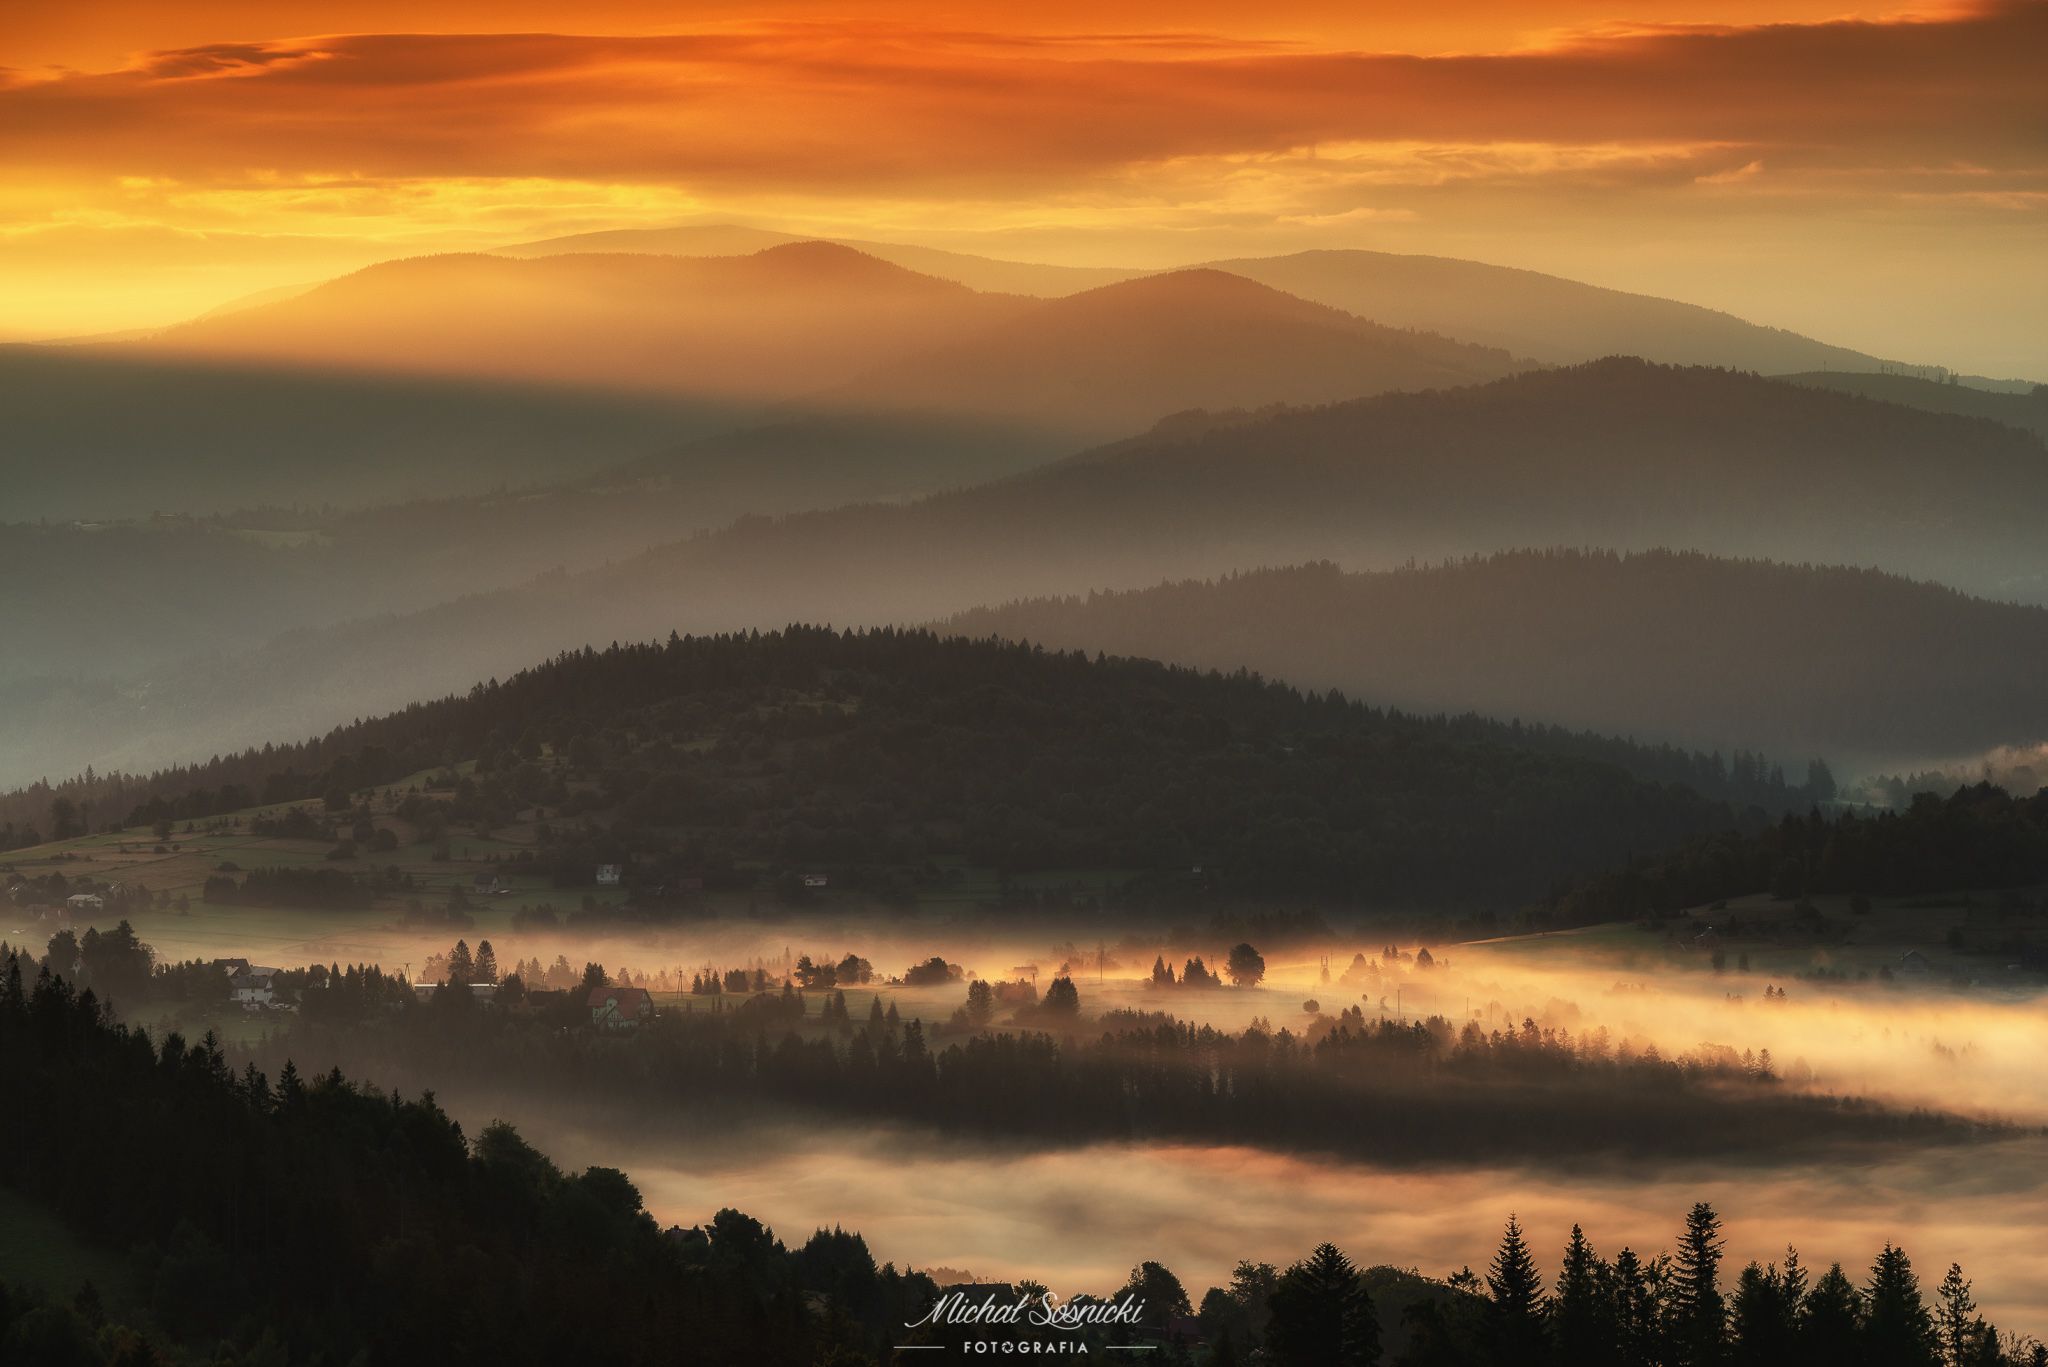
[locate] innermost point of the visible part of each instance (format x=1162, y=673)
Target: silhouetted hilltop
x=1860, y=666
x=876, y=748
x=976, y=272
x=771, y=325
x=1117, y=358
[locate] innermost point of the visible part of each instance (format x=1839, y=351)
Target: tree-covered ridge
x=1977, y=837
x=887, y=747
x=1797, y=660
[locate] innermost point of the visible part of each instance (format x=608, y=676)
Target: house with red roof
x=619, y=1008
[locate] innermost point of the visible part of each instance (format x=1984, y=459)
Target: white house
x=250, y=986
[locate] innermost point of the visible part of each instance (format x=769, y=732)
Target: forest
x=1978, y=837
x=810, y=747
x=320, y=1220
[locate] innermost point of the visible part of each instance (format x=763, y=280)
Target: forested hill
x=883, y=749
x=1857, y=665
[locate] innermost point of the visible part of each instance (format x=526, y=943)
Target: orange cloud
x=867, y=107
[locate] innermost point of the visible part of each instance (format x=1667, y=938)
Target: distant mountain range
x=1528, y=313
x=1618, y=454
x=1866, y=668
x=392, y=383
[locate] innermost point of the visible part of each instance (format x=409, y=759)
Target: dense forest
x=1978, y=837
x=813, y=747
x=1850, y=663
x=323, y=1221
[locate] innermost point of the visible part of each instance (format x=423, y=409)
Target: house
x=490, y=884
x=815, y=880
x=85, y=901
x=610, y=875
x=619, y=1008
x=1914, y=962
x=251, y=987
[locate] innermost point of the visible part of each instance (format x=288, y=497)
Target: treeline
x=810, y=746
x=1384, y=1090
x=1977, y=837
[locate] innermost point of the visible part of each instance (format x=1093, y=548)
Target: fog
x=1080, y=1219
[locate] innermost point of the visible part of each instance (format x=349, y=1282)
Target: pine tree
x=1766, y=1323
x=1633, y=1310
x=485, y=969
x=1897, y=1330
x=460, y=966
x=1322, y=1315
x=1699, y=1316
x=1582, y=1331
x=1514, y=1321
x=1829, y=1322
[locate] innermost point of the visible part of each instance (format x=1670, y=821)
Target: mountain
x=2027, y=411
x=976, y=272
x=1860, y=666
x=1531, y=314
x=764, y=327
x=1618, y=454
x=102, y=433
x=1116, y=358
x=1545, y=317
x=865, y=752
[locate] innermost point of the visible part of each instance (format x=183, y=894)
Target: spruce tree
x=1514, y=1320
x=1829, y=1322
x=1699, y=1316
x=1897, y=1330
x=1322, y=1315
x=1582, y=1331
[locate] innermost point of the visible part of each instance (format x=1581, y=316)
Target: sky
x=1870, y=173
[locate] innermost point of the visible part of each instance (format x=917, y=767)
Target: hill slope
x=875, y=750
x=1862, y=667
x=2028, y=412
x=1531, y=314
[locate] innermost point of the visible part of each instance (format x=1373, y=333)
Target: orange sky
x=1875, y=175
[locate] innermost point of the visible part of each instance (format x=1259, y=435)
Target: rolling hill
x=765, y=327
x=1545, y=317
x=874, y=750
x=1619, y=454
x=1113, y=359
x=1863, y=667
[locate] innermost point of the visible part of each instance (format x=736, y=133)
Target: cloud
x=867, y=107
